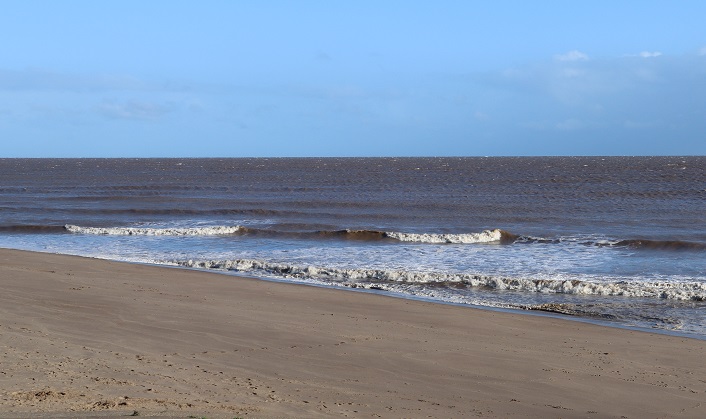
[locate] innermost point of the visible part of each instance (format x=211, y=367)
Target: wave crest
x=388, y=279
x=134, y=231
x=487, y=236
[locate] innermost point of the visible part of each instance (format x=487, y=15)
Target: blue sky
x=365, y=78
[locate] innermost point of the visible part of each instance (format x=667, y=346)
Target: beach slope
x=87, y=337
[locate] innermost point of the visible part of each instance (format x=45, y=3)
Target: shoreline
x=84, y=336
x=410, y=297
x=509, y=310
x=403, y=296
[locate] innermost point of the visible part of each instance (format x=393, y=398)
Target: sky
x=351, y=78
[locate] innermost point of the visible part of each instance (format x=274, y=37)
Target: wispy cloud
x=571, y=124
x=646, y=54
x=36, y=79
x=573, y=55
x=481, y=116
x=323, y=56
x=631, y=124
x=702, y=51
x=607, y=95
x=132, y=110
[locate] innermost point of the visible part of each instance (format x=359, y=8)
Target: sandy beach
x=84, y=337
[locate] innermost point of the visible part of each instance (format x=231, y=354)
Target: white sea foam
x=366, y=278
x=487, y=236
x=134, y=231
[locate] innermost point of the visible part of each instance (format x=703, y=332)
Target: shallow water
x=619, y=239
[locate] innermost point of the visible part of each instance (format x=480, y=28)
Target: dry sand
x=84, y=337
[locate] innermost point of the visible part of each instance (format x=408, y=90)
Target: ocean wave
x=32, y=229
x=653, y=244
x=636, y=244
x=135, y=231
x=382, y=278
x=487, y=236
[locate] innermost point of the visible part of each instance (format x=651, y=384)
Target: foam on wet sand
x=87, y=337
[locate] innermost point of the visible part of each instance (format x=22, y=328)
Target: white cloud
x=645, y=54
x=132, y=110
x=573, y=55
x=702, y=51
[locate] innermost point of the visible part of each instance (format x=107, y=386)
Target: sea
x=615, y=240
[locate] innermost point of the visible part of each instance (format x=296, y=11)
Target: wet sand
x=84, y=337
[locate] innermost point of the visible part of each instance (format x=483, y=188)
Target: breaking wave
x=487, y=236
x=388, y=280
x=134, y=231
